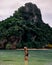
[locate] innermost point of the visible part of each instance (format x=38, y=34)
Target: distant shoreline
x=33, y=49
x=29, y=49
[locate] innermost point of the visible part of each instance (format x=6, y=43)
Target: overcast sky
x=7, y=8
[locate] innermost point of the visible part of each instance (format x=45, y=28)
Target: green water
x=16, y=57
x=40, y=57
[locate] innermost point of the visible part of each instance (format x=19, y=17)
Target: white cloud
x=7, y=8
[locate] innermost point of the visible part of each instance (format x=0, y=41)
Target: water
x=16, y=57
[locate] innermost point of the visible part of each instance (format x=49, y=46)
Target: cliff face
x=30, y=12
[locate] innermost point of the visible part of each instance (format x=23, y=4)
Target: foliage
x=8, y=46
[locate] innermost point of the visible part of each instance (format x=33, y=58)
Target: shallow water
x=16, y=57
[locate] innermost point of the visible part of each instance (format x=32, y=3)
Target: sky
x=8, y=7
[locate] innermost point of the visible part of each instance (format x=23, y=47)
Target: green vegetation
x=25, y=28
x=16, y=57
